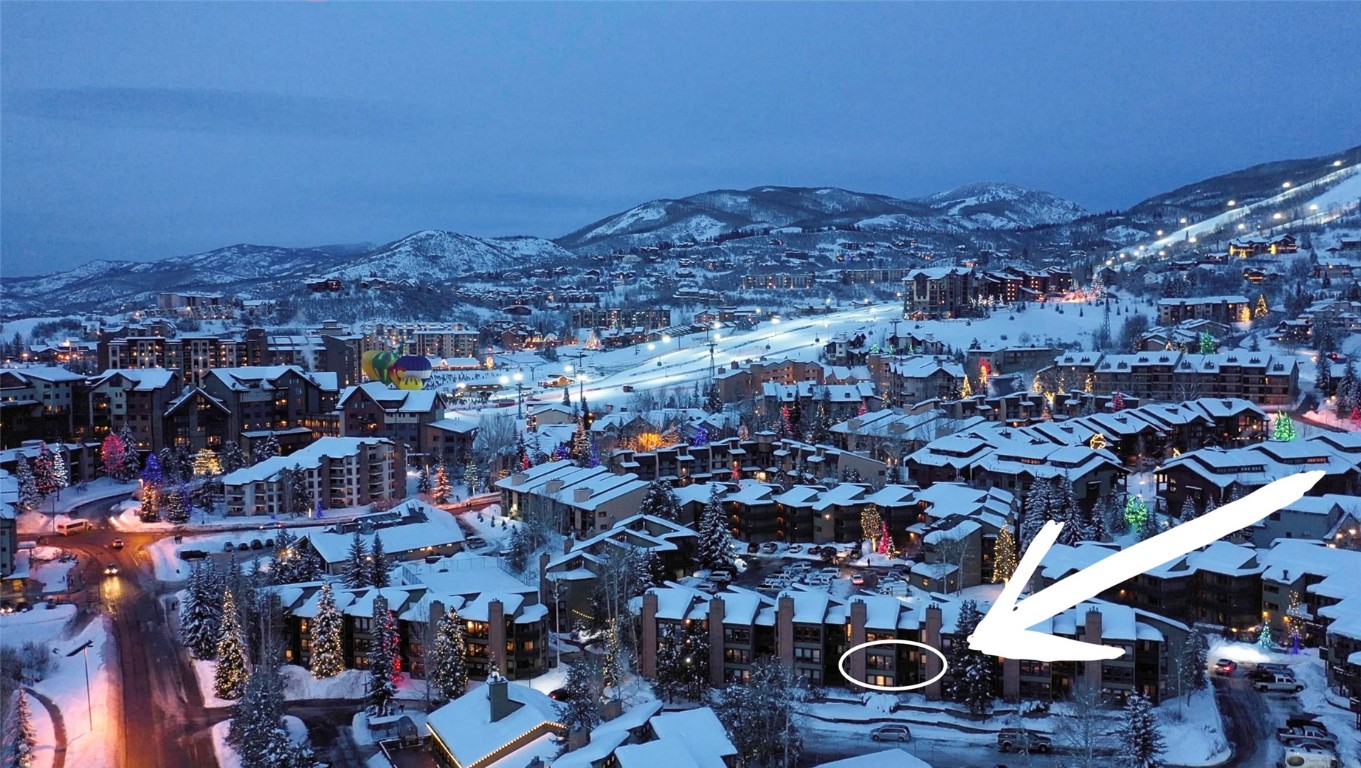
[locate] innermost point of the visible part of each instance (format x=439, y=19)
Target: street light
x=84, y=650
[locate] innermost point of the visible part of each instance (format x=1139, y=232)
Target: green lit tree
x=1283, y=428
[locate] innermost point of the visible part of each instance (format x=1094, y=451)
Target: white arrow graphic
x=1005, y=630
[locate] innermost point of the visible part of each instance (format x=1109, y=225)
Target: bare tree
x=497, y=434
x=1082, y=731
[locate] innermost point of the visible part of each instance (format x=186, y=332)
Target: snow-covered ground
x=41, y=522
x=300, y=685
x=66, y=685
x=129, y=519
x=168, y=566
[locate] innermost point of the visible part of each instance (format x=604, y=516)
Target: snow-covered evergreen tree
x=713, y=399
x=1065, y=509
x=1188, y=510
x=177, y=504
x=44, y=473
x=449, y=658
x=579, y=706
x=201, y=613
x=1194, y=659
x=132, y=464
x=266, y=449
x=682, y=662
x=715, y=539
x=229, y=679
x=660, y=501
x=379, y=564
x=357, y=570
x=21, y=737
x=974, y=672
x=299, y=491
x=257, y=731
x=61, y=472
x=471, y=478
x=384, y=661
x=328, y=654
x=1323, y=380
x=1038, y=508
x=1141, y=739
x=29, y=498
x=233, y=458
x=440, y=490
x=423, y=480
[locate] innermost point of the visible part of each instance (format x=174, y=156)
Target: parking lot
x=770, y=572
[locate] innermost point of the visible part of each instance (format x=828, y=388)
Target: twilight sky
x=146, y=130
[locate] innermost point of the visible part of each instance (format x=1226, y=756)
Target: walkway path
x=58, y=728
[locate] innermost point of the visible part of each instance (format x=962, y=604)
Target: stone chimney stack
x=498, y=696
x=496, y=635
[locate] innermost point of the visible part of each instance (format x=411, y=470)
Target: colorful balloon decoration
x=377, y=365
x=410, y=372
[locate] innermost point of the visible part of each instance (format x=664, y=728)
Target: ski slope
x=685, y=361
x=1341, y=188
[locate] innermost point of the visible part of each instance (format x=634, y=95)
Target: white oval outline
x=841, y=666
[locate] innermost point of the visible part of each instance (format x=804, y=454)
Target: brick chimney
x=648, y=663
x=716, y=609
x=496, y=634
x=855, y=665
x=931, y=636
x=1091, y=670
x=784, y=629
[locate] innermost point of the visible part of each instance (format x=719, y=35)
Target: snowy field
x=65, y=684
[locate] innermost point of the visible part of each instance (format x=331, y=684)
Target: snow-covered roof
x=307, y=457
x=465, y=727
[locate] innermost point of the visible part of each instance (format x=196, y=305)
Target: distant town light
x=1286, y=185
x=1278, y=216
x=1232, y=203
x=1183, y=221
x=1314, y=207
x=1337, y=163
x=1160, y=233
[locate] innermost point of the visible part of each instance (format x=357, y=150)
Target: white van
x=1308, y=758
x=73, y=527
x=1278, y=684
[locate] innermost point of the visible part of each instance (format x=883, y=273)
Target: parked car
x=1023, y=740
x=768, y=548
x=1226, y=667
x=720, y=577
x=858, y=579
x=257, y=544
x=892, y=732
x=1303, y=720
x=794, y=549
x=228, y=547
x=558, y=694
x=1283, y=669
x=1306, y=732
x=269, y=543
x=1278, y=684
x=192, y=554
x=117, y=544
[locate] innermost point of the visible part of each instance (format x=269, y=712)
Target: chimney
x=931, y=636
x=553, y=486
x=567, y=543
x=649, y=646
x=784, y=629
x=580, y=494
x=498, y=695
x=716, y=612
x=518, y=478
x=858, y=615
x=1092, y=634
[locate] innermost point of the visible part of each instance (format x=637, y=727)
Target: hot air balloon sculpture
x=410, y=372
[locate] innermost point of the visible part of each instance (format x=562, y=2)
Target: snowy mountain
x=439, y=255
x=430, y=255
x=975, y=207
